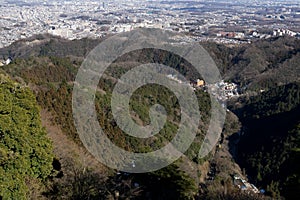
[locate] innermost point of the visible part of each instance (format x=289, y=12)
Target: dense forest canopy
x=268, y=150
x=25, y=151
x=270, y=145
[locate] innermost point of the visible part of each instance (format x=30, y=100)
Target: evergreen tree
x=25, y=151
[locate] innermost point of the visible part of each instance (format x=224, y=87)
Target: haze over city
x=222, y=21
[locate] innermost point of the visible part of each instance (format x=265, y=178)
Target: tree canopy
x=25, y=151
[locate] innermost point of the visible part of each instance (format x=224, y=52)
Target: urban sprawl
x=222, y=21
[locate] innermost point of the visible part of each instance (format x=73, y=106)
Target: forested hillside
x=51, y=78
x=26, y=155
x=261, y=64
x=268, y=149
x=48, y=45
x=270, y=143
x=255, y=66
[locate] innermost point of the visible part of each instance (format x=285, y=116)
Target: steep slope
x=25, y=151
x=270, y=142
x=49, y=66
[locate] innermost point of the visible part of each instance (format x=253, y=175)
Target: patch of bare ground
x=204, y=169
x=67, y=150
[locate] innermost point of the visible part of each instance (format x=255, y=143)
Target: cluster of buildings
x=244, y=185
x=247, y=35
x=222, y=21
x=224, y=90
x=237, y=35
x=282, y=32
x=221, y=90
